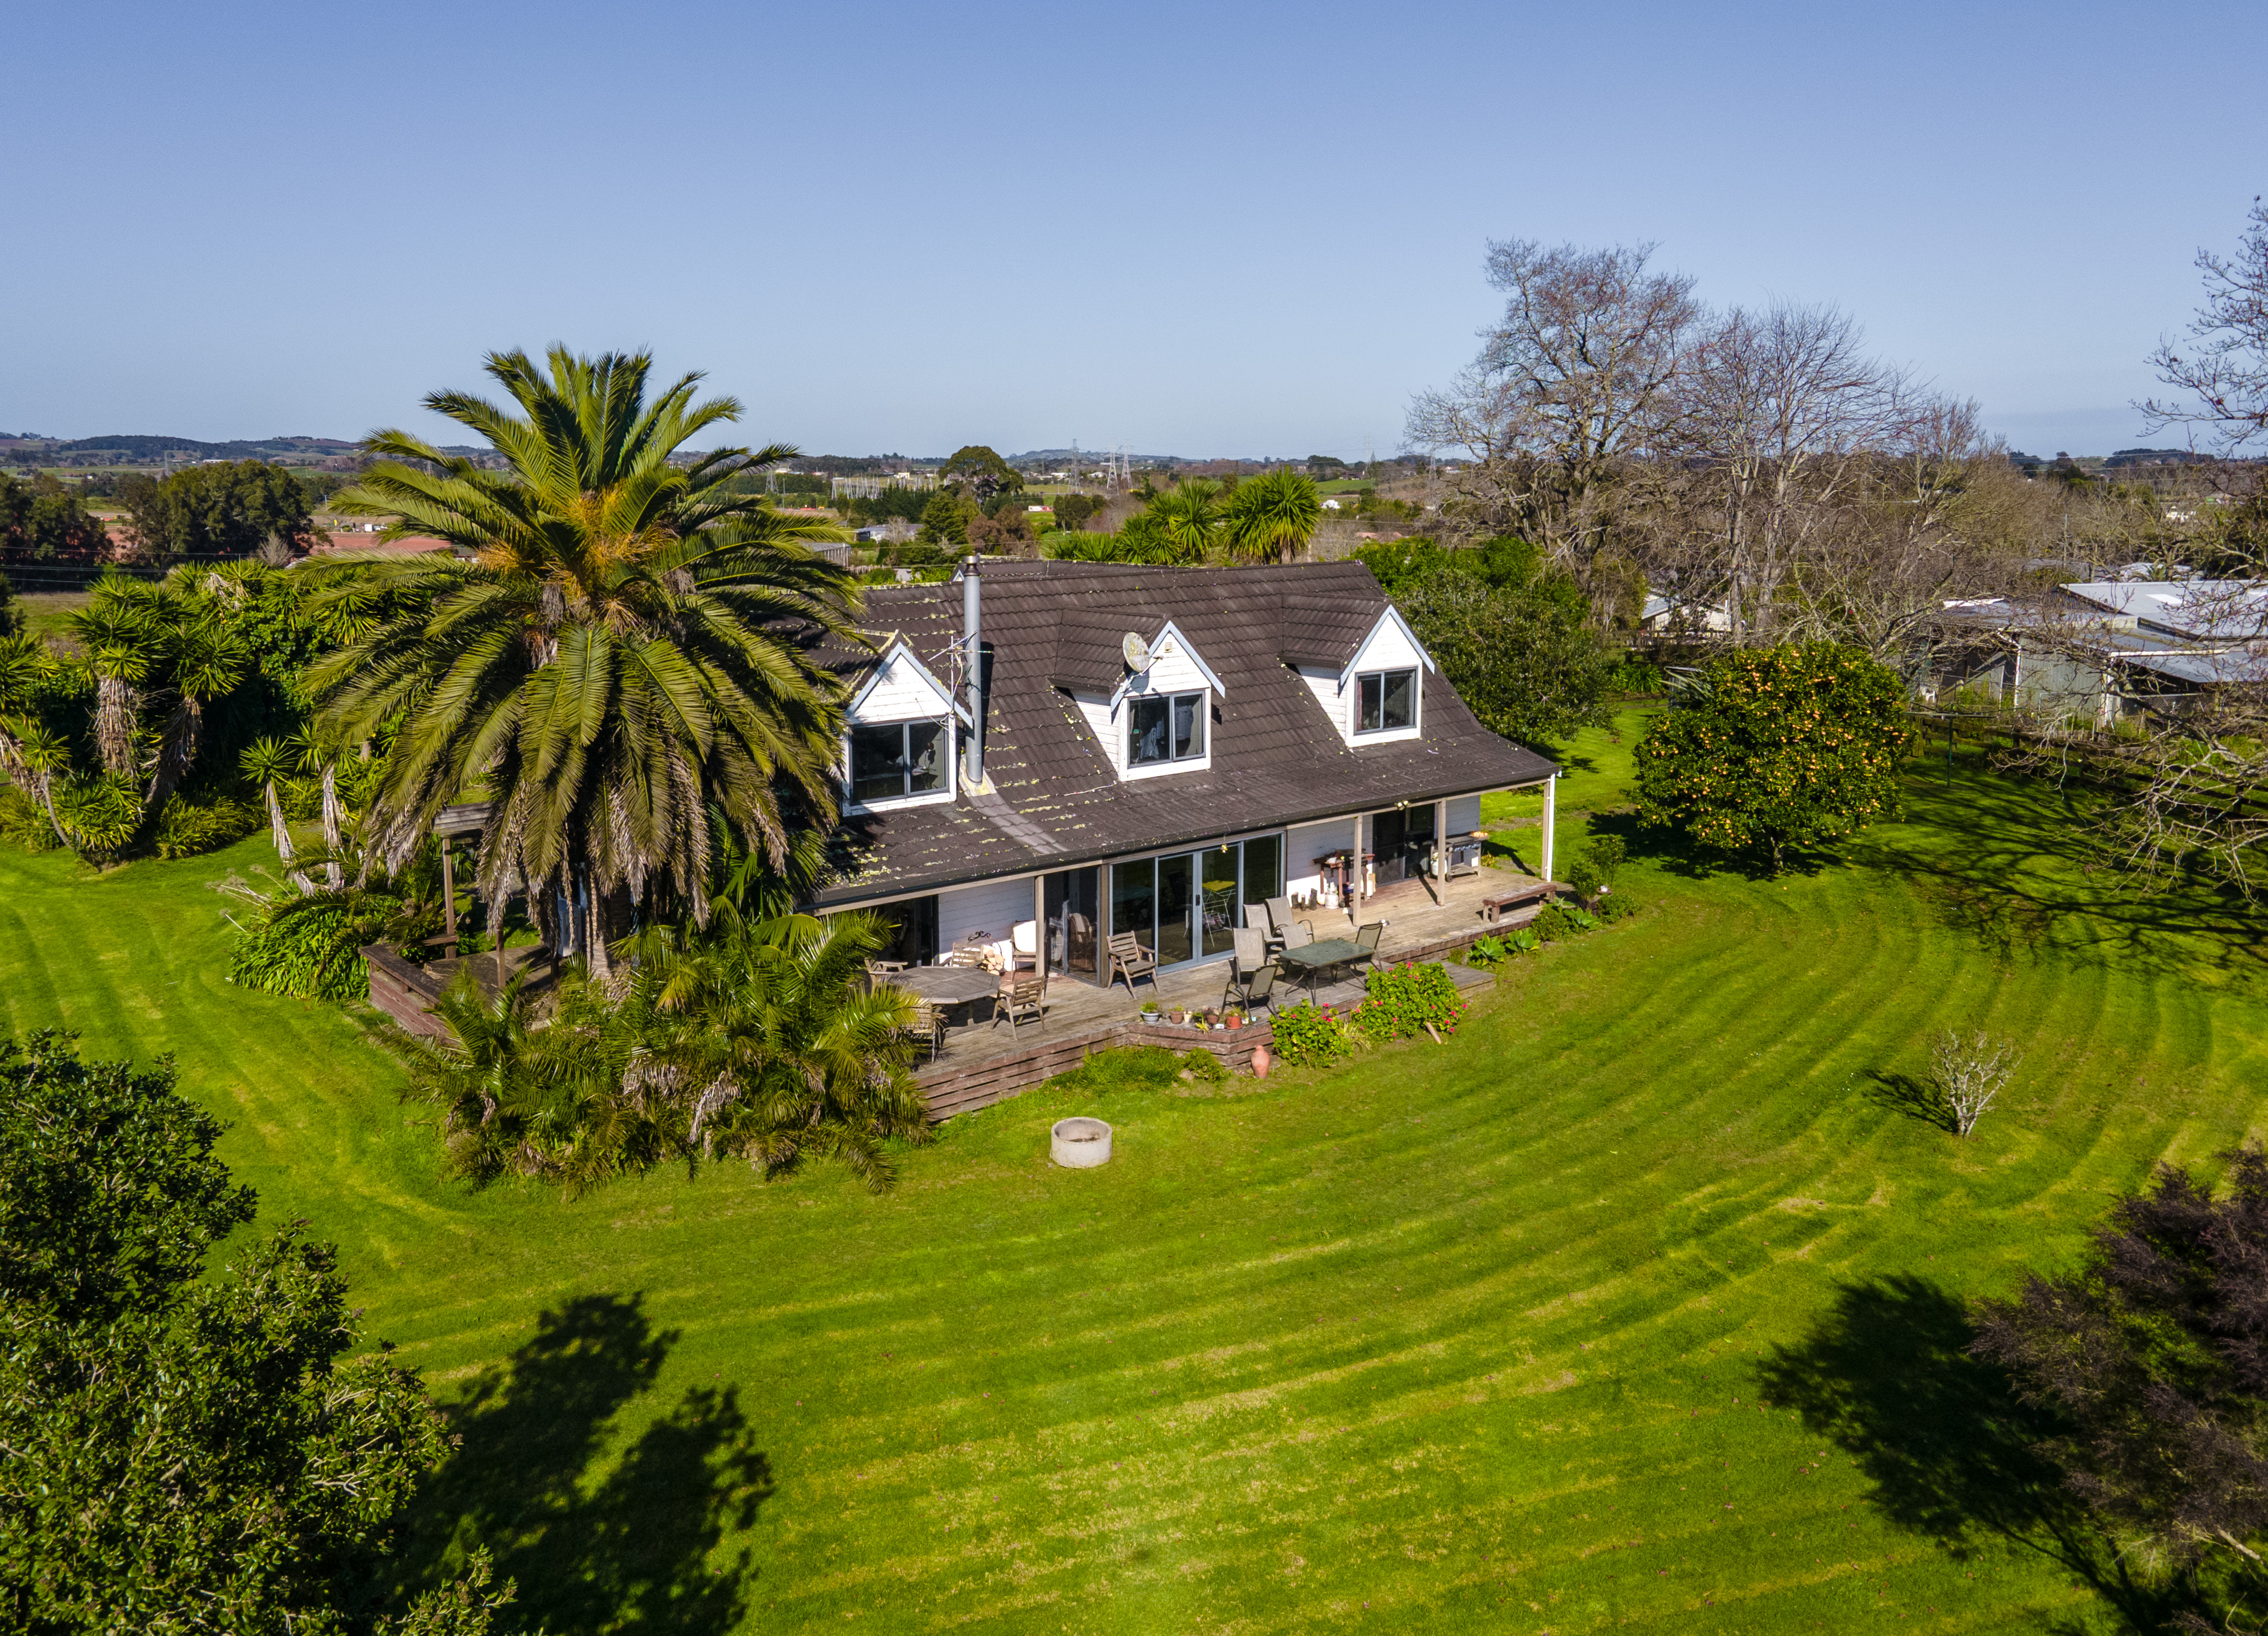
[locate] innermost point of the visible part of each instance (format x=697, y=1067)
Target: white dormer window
x=1166, y=727
x=1158, y=721
x=1379, y=697
x=1385, y=700
x=898, y=747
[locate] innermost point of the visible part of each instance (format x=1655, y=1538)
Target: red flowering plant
x=1405, y=998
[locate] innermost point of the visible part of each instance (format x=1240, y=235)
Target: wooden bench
x=1518, y=897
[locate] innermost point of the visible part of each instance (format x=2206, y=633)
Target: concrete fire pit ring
x=1080, y=1143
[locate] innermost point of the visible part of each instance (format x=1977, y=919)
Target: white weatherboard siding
x=1464, y=814
x=992, y=909
x=1171, y=669
x=1109, y=730
x=1336, y=704
x=900, y=692
x=1308, y=842
x=1387, y=647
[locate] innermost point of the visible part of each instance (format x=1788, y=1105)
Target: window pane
x=1133, y=895
x=1146, y=721
x=1367, y=701
x=878, y=763
x=1176, y=897
x=1263, y=871
x=1401, y=690
x=925, y=742
x=1188, y=725
x=1216, y=903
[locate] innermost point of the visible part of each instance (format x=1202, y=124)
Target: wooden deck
x=406, y=991
x=982, y=1063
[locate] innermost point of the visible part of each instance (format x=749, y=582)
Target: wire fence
x=34, y=578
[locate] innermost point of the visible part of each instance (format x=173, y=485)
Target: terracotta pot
x=1261, y=1061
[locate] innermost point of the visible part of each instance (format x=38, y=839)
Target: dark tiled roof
x=1276, y=758
x=1326, y=629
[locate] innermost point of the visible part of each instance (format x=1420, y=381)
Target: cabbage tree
x=1270, y=518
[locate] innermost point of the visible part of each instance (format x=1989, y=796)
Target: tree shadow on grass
x=1915, y=1098
x=1939, y=1431
x=597, y=1543
x=1680, y=854
x=2021, y=865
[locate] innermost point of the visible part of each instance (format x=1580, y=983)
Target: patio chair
x=975, y=957
x=1129, y=960
x=1024, y=998
x=929, y=1024
x=1368, y=937
x=1253, y=986
x=1260, y=989
x=1280, y=924
x=1251, y=945
x=1295, y=934
x=879, y=971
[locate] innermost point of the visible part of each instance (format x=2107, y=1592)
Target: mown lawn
x=1636, y=1305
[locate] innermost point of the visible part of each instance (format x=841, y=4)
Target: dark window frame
x=1363, y=683
x=1199, y=705
x=941, y=775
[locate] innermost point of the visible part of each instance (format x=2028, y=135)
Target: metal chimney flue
x=972, y=619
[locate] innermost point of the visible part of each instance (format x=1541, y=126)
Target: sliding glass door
x=1187, y=906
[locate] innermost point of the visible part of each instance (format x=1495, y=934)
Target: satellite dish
x=1136, y=652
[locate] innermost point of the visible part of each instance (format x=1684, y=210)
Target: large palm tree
x=611, y=654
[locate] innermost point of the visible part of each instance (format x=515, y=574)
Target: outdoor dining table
x=1313, y=957
x=947, y=986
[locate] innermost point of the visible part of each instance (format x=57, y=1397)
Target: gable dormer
x=899, y=736
x=1367, y=676
x=1153, y=721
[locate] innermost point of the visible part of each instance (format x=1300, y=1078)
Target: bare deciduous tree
x=1782, y=413
x=2225, y=373
x=1569, y=388
x=1937, y=513
x=1968, y=1072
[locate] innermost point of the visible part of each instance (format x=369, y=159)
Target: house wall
x=1464, y=814
x=902, y=693
x=1171, y=670
x=1337, y=707
x=1309, y=842
x=1109, y=732
x=993, y=908
x=1386, y=648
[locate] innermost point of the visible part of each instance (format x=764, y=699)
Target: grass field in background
x=1636, y=1306
x=48, y=613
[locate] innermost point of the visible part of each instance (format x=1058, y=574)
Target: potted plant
x=1235, y=1019
x=1149, y=1010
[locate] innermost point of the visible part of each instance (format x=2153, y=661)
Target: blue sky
x=1196, y=230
